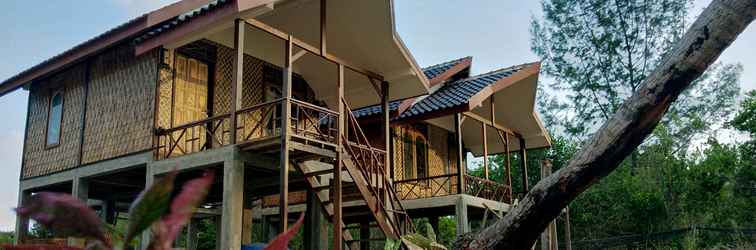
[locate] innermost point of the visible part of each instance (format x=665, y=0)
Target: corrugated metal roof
x=457, y=93
x=180, y=19
x=430, y=72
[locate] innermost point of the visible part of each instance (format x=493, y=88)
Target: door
x=190, y=101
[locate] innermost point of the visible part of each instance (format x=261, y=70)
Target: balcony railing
x=442, y=185
x=310, y=124
x=487, y=189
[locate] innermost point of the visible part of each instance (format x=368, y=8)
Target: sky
x=494, y=32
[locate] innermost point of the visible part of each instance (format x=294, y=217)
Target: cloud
x=138, y=7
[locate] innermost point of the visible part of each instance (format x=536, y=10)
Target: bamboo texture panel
x=120, y=106
x=37, y=159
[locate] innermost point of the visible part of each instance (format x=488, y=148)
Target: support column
x=461, y=215
x=567, y=233
x=22, y=224
x=238, y=69
x=233, y=199
x=246, y=238
x=337, y=229
x=364, y=235
x=509, y=167
x=460, y=156
x=110, y=210
x=80, y=190
x=144, y=242
x=485, y=150
x=548, y=237
x=312, y=222
x=433, y=221
x=283, y=204
x=524, y=166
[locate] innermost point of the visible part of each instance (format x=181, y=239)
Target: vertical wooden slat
x=285, y=110
x=460, y=167
x=337, y=228
x=236, y=87
x=323, y=26
x=509, y=166
x=485, y=150
x=524, y=165
x=386, y=124
x=87, y=72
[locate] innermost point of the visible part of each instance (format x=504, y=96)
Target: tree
x=698, y=48
x=598, y=52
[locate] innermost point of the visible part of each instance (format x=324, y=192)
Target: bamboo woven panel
x=398, y=153
x=166, y=91
x=37, y=159
x=438, y=155
x=121, y=100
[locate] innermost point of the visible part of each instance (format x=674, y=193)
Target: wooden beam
x=489, y=123
x=312, y=49
x=323, y=25
x=386, y=125
x=238, y=69
x=285, y=109
x=460, y=167
x=298, y=55
x=509, y=167
x=337, y=216
x=524, y=165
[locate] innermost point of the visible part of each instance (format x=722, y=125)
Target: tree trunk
x=710, y=34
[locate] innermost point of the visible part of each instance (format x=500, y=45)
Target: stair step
x=319, y=172
x=321, y=188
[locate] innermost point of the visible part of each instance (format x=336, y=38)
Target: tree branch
x=712, y=32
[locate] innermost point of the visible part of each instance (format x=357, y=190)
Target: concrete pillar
x=22, y=224
x=80, y=190
x=145, y=240
x=461, y=214
x=233, y=199
x=312, y=222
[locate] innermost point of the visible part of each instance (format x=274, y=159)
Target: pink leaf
x=184, y=205
x=150, y=206
x=64, y=214
x=281, y=242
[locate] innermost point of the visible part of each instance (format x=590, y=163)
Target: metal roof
x=180, y=19
x=457, y=93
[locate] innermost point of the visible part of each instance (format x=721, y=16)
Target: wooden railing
x=371, y=161
x=428, y=187
x=487, y=189
x=259, y=121
x=313, y=124
x=192, y=137
x=309, y=124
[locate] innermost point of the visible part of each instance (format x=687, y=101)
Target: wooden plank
x=524, y=166
x=485, y=150
x=489, y=123
x=238, y=69
x=323, y=25
x=337, y=216
x=285, y=130
x=460, y=168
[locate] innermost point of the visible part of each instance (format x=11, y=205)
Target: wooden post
x=509, y=166
x=337, y=229
x=238, y=81
x=548, y=236
x=524, y=165
x=463, y=226
x=460, y=168
x=283, y=205
x=364, y=235
x=567, y=233
x=323, y=26
x=485, y=150
x=312, y=222
x=80, y=190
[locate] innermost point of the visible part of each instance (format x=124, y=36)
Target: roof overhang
x=361, y=33
x=99, y=43
x=513, y=99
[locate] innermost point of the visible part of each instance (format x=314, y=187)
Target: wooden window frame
x=411, y=136
x=50, y=98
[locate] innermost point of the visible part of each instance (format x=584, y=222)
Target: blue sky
x=494, y=32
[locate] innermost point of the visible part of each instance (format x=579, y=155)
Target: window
x=421, y=158
x=409, y=168
x=54, y=119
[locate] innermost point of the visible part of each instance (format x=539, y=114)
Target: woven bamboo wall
x=38, y=160
x=165, y=91
x=120, y=107
x=441, y=156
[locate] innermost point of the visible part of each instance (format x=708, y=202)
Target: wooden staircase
x=364, y=169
